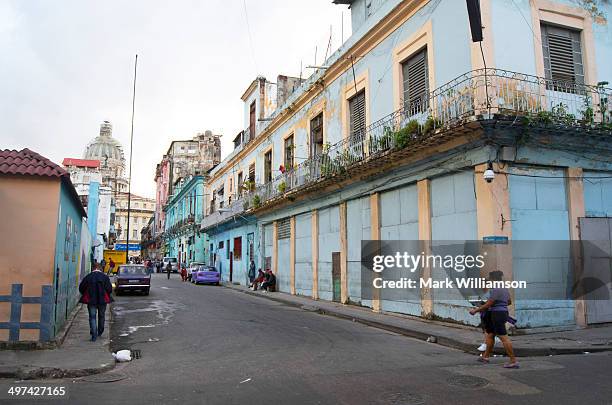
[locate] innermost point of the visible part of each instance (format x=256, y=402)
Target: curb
x=27, y=372
x=416, y=334
x=36, y=373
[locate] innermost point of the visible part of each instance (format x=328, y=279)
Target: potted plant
x=282, y=186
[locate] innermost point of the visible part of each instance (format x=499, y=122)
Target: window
x=316, y=135
x=415, y=82
x=221, y=244
x=227, y=251
x=289, y=148
x=135, y=234
x=357, y=114
x=284, y=228
x=268, y=167
x=238, y=248
x=252, y=174
x=240, y=181
x=562, y=55
x=252, y=120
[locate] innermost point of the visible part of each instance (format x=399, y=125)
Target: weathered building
x=97, y=199
x=184, y=211
x=183, y=160
x=46, y=249
x=389, y=141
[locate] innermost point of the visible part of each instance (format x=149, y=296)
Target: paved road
x=212, y=345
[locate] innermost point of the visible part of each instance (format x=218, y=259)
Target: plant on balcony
x=604, y=105
x=405, y=135
x=562, y=116
x=431, y=124
x=248, y=186
x=245, y=205
x=282, y=186
x=256, y=201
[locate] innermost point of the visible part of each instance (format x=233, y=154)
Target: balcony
x=478, y=100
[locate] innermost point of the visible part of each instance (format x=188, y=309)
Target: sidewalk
x=76, y=357
x=461, y=337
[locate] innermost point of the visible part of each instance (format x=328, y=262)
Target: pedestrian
x=103, y=265
x=96, y=291
x=111, y=266
x=168, y=269
x=270, y=283
x=183, y=273
x=495, y=322
x=251, y=272
x=483, y=315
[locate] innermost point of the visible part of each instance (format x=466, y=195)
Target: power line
x=246, y=17
x=526, y=22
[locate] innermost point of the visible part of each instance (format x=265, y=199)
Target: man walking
x=168, y=269
x=96, y=290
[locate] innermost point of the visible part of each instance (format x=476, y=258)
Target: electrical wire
x=246, y=17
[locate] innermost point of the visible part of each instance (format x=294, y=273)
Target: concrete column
x=314, y=235
x=576, y=210
x=424, y=204
x=274, y=247
x=375, y=235
x=292, y=255
x=493, y=216
x=343, y=255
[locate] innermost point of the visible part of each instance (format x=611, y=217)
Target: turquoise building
x=184, y=211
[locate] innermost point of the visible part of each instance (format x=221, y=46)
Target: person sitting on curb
x=261, y=277
x=96, y=291
x=495, y=322
x=270, y=283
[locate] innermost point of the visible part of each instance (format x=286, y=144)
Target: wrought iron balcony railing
x=478, y=95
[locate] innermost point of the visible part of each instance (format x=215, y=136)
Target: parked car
x=193, y=266
x=132, y=277
x=206, y=275
x=173, y=261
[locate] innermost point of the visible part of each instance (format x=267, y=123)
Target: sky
x=67, y=65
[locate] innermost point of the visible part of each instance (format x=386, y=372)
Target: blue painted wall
x=329, y=241
x=598, y=194
x=67, y=252
x=357, y=229
x=303, y=254
x=539, y=213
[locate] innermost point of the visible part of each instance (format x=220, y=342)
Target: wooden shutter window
x=415, y=75
x=316, y=135
x=357, y=114
x=562, y=51
x=284, y=228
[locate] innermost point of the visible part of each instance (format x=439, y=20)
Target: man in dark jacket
x=96, y=291
x=270, y=283
x=251, y=272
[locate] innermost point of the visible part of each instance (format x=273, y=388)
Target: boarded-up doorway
x=336, y=276
x=597, y=265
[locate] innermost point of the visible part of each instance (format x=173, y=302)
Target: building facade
x=183, y=159
x=184, y=211
x=96, y=198
x=47, y=249
x=390, y=140
x=142, y=209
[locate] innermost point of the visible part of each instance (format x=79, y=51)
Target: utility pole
x=127, y=236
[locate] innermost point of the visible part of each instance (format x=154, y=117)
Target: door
x=336, y=276
x=231, y=265
x=597, y=268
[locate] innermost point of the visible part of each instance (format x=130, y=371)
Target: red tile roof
x=28, y=163
x=81, y=162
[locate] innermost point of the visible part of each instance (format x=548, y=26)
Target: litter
x=123, y=355
x=247, y=380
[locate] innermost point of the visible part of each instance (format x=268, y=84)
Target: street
x=214, y=345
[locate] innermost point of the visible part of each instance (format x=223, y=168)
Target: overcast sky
x=67, y=65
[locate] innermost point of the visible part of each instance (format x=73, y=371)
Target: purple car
x=205, y=275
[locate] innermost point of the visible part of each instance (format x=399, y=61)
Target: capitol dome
x=105, y=148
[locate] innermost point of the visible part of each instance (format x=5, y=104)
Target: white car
x=193, y=266
x=173, y=262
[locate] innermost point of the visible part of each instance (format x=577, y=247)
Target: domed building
x=109, y=152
